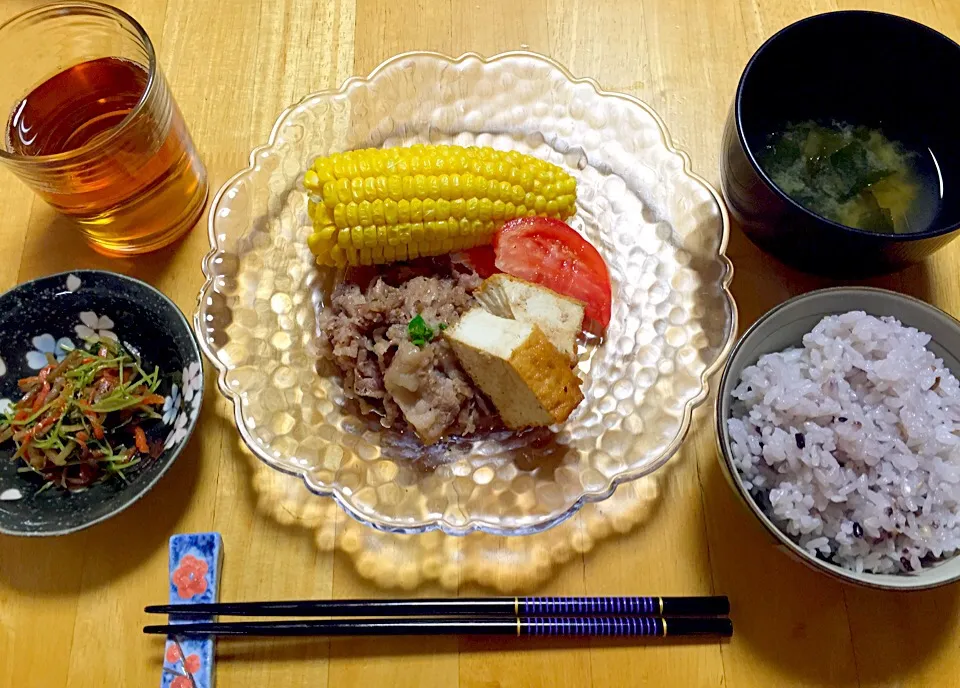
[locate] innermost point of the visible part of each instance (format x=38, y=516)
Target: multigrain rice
x=851, y=444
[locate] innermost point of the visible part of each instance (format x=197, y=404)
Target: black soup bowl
x=863, y=68
x=50, y=315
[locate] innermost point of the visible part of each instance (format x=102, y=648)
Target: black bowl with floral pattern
x=49, y=316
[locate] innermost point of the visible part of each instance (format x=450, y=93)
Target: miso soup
x=855, y=175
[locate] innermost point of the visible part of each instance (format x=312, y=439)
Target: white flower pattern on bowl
x=192, y=380
x=73, y=283
x=45, y=344
x=93, y=328
x=179, y=432
x=3, y=368
x=5, y=406
x=183, y=404
x=11, y=495
x=171, y=406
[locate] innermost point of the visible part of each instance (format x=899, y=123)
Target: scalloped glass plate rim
x=472, y=525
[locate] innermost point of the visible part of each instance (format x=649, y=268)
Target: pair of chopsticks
x=658, y=617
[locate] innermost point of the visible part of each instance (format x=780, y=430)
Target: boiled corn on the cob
x=377, y=206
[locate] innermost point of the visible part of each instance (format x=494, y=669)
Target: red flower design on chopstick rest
x=182, y=682
x=173, y=653
x=192, y=664
x=190, y=577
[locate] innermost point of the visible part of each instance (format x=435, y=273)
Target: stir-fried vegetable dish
x=81, y=420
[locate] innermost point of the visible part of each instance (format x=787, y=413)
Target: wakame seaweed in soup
x=854, y=175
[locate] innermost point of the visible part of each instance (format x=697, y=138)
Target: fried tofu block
x=517, y=367
x=559, y=317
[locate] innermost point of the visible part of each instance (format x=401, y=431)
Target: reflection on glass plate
x=508, y=565
x=661, y=230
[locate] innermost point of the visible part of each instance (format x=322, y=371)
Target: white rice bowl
x=851, y=444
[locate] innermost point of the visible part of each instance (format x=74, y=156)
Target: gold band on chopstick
x=664, y=622
x=518, y=626
x=661, y=605
x=516, y=607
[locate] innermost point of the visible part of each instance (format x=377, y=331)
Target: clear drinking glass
x=94, y=129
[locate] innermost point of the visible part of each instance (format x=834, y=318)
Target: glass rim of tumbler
x=102, y=9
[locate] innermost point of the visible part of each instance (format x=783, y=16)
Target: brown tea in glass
x=97, y=133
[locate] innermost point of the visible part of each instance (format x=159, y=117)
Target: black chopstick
x=479, y=606
x=588, y=626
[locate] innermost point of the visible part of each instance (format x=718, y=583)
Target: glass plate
x=661, y=229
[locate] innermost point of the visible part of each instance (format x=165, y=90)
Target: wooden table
x=70, y=608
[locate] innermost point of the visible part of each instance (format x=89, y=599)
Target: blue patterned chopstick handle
x=585, y=606
x=616, y=626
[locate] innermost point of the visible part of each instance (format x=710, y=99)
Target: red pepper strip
x=24, y=443
x=45, y=372
x=37, y=429
x=140, y=439
x=81, y=439
x=153, y=400
x=41, y=397
x=41, y=379
x=45, y=424
x=97, y=427
x=21, y=415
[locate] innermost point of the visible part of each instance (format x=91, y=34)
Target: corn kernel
x=317, y=244
x=403, y=211
x=351, y=214
x=429, y=210
x=473, y=207
x=330, y=194
x=323, y=169
x=340, y=215
x=343, y=191
x=382, y=187
x=443, y=209
x=394, y=188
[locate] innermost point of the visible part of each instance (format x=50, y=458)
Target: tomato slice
x=550, y=253
x=481, y=259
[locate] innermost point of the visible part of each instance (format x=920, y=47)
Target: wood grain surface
x=71, y=608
